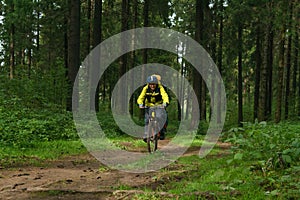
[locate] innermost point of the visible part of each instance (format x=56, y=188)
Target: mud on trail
x=77, y=177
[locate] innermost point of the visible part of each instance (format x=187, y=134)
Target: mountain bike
x=153, y=132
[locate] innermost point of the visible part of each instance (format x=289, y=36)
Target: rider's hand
x=165, y=105
x=141, y=106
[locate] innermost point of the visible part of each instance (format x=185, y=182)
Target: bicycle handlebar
x=157, y=106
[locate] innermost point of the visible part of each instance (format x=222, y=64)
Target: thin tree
x=280, y=76
x=38, y=16
x=12, y=45
x=97, y=37
x=288, y=64
x=133, y=54
x=145, y=50
x=240, y=76
x=220, y=55
x=89, y=18
x=269, y=58
x=257, y=72
x=296, y=70
x=146, y=24
x=73, y=52
x=197, y=80
x=261, y=81
x=124, y=44
x=200, y=17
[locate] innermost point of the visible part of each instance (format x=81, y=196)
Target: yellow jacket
x=152, y=98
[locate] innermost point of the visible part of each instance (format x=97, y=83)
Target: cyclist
x=153, y=94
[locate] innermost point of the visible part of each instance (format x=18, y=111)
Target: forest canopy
x=255, y=45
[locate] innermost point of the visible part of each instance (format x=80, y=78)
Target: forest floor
x=79, y=177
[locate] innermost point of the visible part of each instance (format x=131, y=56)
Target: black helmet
x=152, y=79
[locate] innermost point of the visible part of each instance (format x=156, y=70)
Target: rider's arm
x=164, y=95
x=141, y=98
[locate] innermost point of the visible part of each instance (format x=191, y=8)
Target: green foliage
x=38, y=151
x=107, y=123
x=28, y=113
x=193, y=178
x=259, y=141
x=273, y=149
x=25, y=127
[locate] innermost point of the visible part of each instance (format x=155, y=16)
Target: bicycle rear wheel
x=152, y=138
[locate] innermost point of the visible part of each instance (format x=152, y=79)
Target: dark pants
x=162, y=119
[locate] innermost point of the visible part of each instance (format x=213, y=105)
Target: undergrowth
x=274, y=153
x=263, y=164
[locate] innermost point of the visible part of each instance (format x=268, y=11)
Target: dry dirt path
x=75, y=177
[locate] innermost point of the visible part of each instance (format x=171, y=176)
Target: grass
x=38, y=151
x=209, y=178
x=220, y=175
x=238, y=175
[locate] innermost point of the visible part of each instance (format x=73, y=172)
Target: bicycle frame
x=153, y=129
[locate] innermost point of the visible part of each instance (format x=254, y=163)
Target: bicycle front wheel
x=152, y=138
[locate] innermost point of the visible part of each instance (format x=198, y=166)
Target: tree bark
x=145, y=50
x=97, y=37
x=257, y=74
x=123, y=62
x=269, y=65
x=12, y=47
x=197, y=79
x=288, y=65
x=133, y=56
x=73, y=53
x=146, y=24
x=89, y=18
x=240, y=76
x=295, y=73
x=263, y=83
x=280, y=77
x=220, y=59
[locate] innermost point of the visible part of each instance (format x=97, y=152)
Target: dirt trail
x=74, y=177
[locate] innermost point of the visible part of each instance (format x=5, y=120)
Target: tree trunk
x=133, y=56
x=97, y=37
x=240, y=76
x=73, y=52
x=257, y=74
x=146, y=24
x=197, y=80
x=66, y=46
x=145, y=50
x=89, y=18
x=280, y=77
x=220, y=60
x=12, y=52
x=123, y=62
x=263, y=90
x=12, y=47
x=188, y=102
x=181, y=86
x=29, y=62
x=269, y=65
x=295, y=73
x=180, y=92
x=38, y=27
x=200, y=17
x=288, y=65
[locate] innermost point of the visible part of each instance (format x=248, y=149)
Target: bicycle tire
x=152, y=138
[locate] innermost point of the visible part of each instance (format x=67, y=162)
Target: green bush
x=277, y=142
x=24, y=126
x=30, y=112
x=274, y=151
